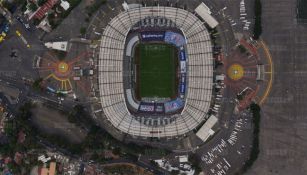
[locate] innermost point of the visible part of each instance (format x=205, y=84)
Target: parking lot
x=240, y=15
x=283, y=134
x=229, y=148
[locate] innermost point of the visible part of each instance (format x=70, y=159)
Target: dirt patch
x=52, y=121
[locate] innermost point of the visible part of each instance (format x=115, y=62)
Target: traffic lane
x=227, y=103
x=26, y=55
x=31, y=35
x=13, y=81
x=24, y=25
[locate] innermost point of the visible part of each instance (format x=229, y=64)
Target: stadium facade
x=150, y=117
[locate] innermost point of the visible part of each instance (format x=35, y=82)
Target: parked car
x=26, y=25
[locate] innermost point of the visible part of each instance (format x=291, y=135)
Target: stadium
x=156, y=71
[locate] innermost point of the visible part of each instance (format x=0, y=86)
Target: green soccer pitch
x=156, y=70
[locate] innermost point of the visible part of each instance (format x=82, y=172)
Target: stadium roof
x=200, y=75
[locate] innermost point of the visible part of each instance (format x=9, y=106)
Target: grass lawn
x=157, y=70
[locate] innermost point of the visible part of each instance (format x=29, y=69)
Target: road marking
x=62, y=85
x=69, y=83
x=50, y=75
x=269, y=57
x=23, y=39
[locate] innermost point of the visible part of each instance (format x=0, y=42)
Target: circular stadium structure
x=155, y=72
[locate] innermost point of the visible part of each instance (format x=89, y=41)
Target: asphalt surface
x=283, y=134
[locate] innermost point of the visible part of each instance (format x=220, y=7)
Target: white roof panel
x=204, y=12
x=205, y=131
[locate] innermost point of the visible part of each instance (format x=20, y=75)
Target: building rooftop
x=62, y=46
x=41, y=11
x=65, y=5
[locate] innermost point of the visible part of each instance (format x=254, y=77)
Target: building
x=65, y=5
x=44, y=25
x=204, y=12
x=61, y=46
x=206, y=130
x=183, y=158
x=41, y=12
x=44, y=159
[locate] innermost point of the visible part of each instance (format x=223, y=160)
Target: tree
x=175, y=172
x=116, y=151
x=255, y=110
x=41, y=2
x=257, y=26
x=60, y=94
x=37, y=84
x=242, y=49
x=95, y=156
x=33, y=7
x=25, y=112
x=94, y=7
x=8, y=5
x=194, y=160
x=75, y=116
x=15, y=169
x=36, y=21
x=72, y=118
x=82, y=30
x=61, y=54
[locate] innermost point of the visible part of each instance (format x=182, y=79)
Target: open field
x=156, y=70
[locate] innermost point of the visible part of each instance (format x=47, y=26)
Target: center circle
x=235, y=72
x=62, y=67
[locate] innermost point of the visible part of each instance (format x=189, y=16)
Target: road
x=22, y=65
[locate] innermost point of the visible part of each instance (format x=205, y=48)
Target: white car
x=27, y=26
